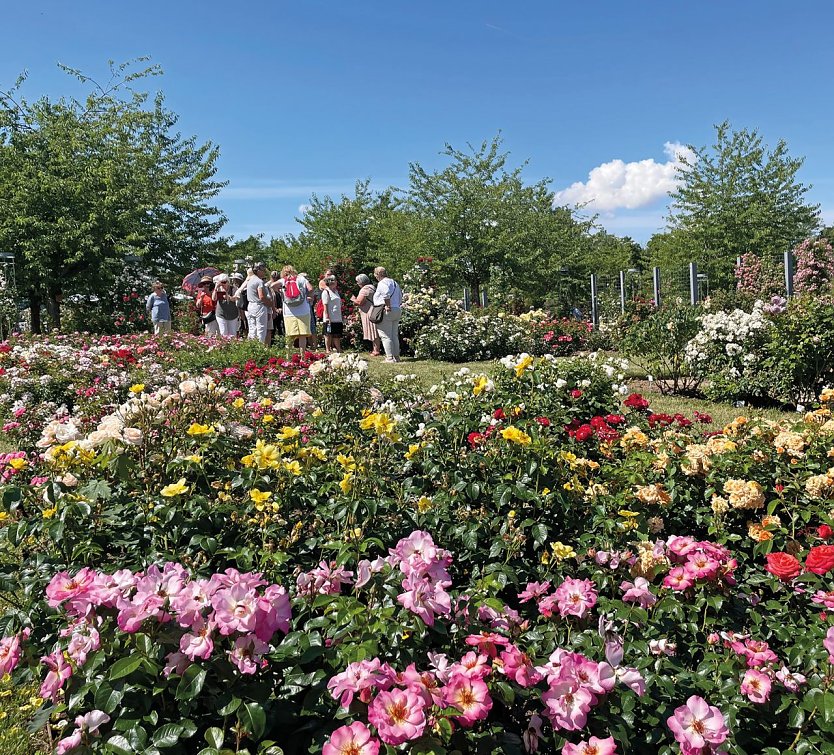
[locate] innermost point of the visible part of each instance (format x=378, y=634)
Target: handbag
x=210, y=317
x=376, y=313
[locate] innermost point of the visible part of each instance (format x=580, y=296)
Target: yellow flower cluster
x=744, y=494
x=790, y=443
x=512, y=434
x=821, y=485
x=652, y=495
x=633, y=438
x=382, y=424
x=198, y=429
x=524, y=364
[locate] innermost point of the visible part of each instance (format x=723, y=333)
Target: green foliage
x=86, y=184
x=800, y=359
x=657, y=343
x=737, y=196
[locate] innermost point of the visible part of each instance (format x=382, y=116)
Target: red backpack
x=292, y=293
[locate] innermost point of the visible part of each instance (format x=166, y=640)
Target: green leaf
x=124, y=666
x=214, y=736
x=253, y=719
x=167, y=736
x=119, y=744
x=107, y=698
x=191, y=683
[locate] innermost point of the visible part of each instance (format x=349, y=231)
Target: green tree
x=475, y=211
x=86, y=184
x=736, y=197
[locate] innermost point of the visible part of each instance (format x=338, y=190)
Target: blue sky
x=310, y=96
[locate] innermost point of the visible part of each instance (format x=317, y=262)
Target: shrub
x=657, y=343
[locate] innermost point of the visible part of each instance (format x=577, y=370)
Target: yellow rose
x=260, y=497
x=175, y=489
x=562, y=551
x=17, y=464
x=267, y=418
x=288, y=433
x=513, y=435
x=137, y=388
x=424, y=504
x=198, y=429
x=293, y=467
x=346, y=483
x=238, y=403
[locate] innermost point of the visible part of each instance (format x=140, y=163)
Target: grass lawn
x=429, y=372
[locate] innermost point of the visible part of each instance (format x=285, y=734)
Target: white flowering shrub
x=729, y=351
x=468, y=337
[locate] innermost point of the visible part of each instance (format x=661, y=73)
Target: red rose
x=576, y=393
x=584, y=432
x=820, y=559
x=543, y=421
x=783, y=565
x=824, y=531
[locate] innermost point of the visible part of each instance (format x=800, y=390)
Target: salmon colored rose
x=783, y=565
x=820, y=559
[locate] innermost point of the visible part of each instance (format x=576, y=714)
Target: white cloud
x=303, y=209
x=620, y=185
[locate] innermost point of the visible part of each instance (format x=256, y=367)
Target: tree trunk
x=35, y=310
x=476, y=293
x=53, y=305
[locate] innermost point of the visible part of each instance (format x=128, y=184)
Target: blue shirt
x=159, y=307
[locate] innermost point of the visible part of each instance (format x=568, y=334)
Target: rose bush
x=292, y=558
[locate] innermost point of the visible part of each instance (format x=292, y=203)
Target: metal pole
x=622, y=291
x=467, y=302
x=594, y=310
x=483, y=297
x=789, y=273
x=656, y=286
x=693, y=284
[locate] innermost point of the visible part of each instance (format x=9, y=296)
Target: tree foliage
x=86, y=183
x=737, y=196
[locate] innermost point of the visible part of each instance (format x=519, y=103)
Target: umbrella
x=189, y=283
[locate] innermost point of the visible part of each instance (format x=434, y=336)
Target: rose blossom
x=820, y=559
x=698, y=724
x=9, y=654
x=355, y=739
x=470, y=696
x=594, y=746
x=59, y=672
x=783, y=565
x=399, y=716
x=828, y=644
x=756, y=685
x=575, y=597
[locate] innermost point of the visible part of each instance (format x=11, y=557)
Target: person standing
x=389, y=294
x=225, y=309
x=205, y=304
x=333, y=325
x=296, y=307
x=159, y=306
x=260, y=300
x=236, y=289
x=364, y=300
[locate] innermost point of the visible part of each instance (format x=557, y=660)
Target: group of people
x=262, y=304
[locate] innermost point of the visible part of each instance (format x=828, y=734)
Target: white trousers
x=389, y=332
x=228, y=328
x=257, y=316
x=212, y=329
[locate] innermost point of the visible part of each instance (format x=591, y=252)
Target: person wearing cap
x=260, y=304
x=332, y=314
x=204, y=304
x=159, y=306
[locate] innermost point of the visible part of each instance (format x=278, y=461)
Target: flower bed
x=526, y=561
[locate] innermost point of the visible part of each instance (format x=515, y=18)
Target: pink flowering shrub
x=527, y=561
x=814, y=269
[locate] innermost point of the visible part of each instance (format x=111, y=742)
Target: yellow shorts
x=297, y=326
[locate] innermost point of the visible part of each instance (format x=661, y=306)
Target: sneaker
x=390, y=360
